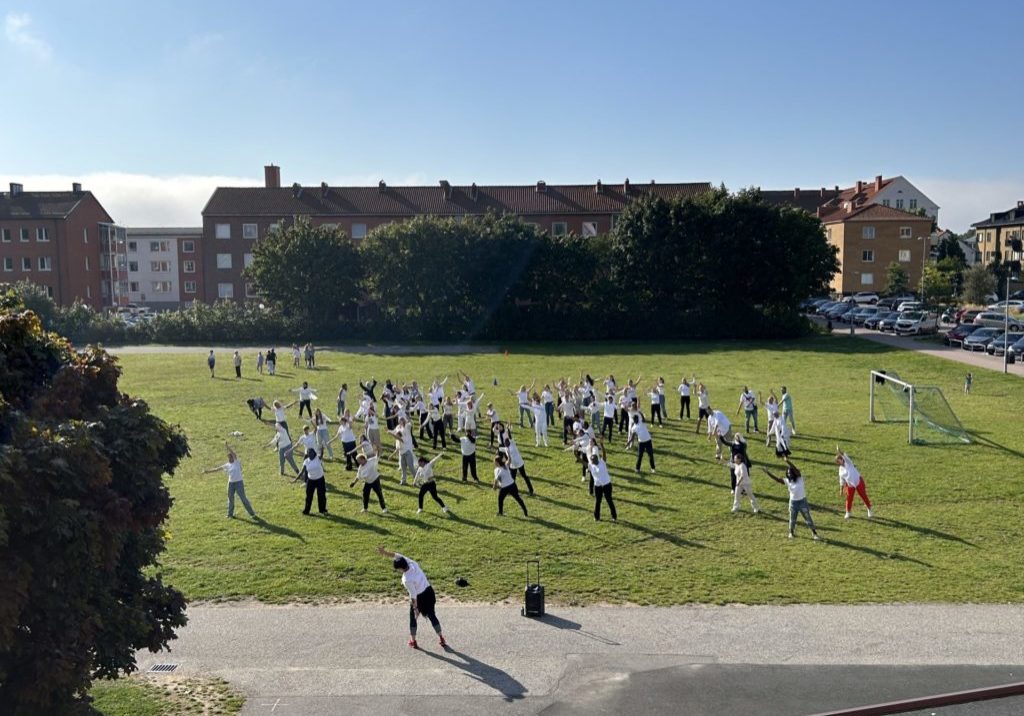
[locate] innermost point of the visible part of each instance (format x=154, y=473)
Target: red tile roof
x=869, y=212
x=523, y=200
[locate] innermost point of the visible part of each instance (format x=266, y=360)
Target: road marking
x=273, y=706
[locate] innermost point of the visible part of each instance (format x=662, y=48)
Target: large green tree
x=82, y=506
x=897, y=280
x=313, y=271
x=979, y=283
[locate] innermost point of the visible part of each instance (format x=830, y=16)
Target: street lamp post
x=924, y=258
x=1006, y=323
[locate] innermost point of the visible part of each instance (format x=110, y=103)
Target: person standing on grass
x=548, y=399
x=403, y=442
x=505, y=484
x=272, y=361
x=655, y=397
x=306, y=397
x=748, y=404
x=425, y=481
x=798, y=504
x=738, y=446
x=771, y=409
x=541, y=416
x=507, y=445
x=368, y=473
x=523, y=396
x=280, y=417
x=211, y=361
x=236, y=359
x=718, y=428
x=494, y=419
x=368, y=389
x=743, y=485
x=283, y=443
x=260, y=360
x=436, y=425
x=782, y=434
x=421, y=595
x=256, y=405
x=786, y=403
x=703, y=405
x=307, y=441
x=968, y=380
x=323, y=434
x=661, y=399
x=608, y=409
x=638, y=429
x=602, y=480
x=851, y=481
x=467, y=446
x=316, y=482
x=684, y=399
x=342, y=397
x=296, y=355
x=233, y=467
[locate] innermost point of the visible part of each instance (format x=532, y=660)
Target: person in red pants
x=851, y=481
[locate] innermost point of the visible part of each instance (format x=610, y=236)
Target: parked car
x=916, y=323
x=998, y=345
x=1014, y=304
x=1015, y=351
x=909, y=306
x=980, y=338
x=862, y=297
x=822, y=308
x=889, y=322
x=967, y=315
x=809, y=304
x=1017, y=295
x=859, y=315
x=872, y=322
x=997, y=319
x=836, y=313
x=955, y=336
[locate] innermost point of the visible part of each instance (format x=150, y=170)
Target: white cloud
x=962, y=203
x=17, y=29
x=147, y=200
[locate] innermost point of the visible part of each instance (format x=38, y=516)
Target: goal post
x=893, y=400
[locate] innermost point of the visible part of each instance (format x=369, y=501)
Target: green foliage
x=938, y=282
x=949, y=248
x=314, y=271
x=82, y=501
x=897, y=280
x=979, y=282
x=224, y=321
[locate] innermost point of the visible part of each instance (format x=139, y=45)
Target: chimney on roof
x=599, y=188
x=324, y=189
x=272, y=176
x=16, y=189
x=796, y=193
x=625, y=187
x=541, y=186
x=446, y=189
x=878, y=183
x=474, y=193
x=296, y=190
x=1020, y=204
x=837, y=188
x=381, y=186
x=860, y=186
x=652, y=182
x=76, y=187
x=822, y=192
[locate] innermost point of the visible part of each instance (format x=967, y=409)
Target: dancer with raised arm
x=233, y=468
x=798, y=504
x=425, y=481
x=850, y=482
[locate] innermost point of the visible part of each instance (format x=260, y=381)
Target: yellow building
x=994, y=233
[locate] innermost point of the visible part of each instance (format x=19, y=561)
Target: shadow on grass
x=659, y=534
x=355, y=524
x=569, y=625
x=985, y=442
x=897, y=524
x=560, y=503
x=894, y=556
x=479, y=525
x=555, y=526
x=276, y=529
x=501, y=681
x=646, y=505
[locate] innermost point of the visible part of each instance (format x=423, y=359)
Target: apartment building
x=236, y=217
x=995, y=233
x=64, y=241
x=164, y=266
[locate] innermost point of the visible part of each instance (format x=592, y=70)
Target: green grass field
x=947, y=527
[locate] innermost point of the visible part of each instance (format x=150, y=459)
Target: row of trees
x=716, y=265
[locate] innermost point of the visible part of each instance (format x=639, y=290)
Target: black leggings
x=504, y=492
x=469, y=463
x=684, y=406
x=522, y=471
x=641, y=448
x=320, y=488
x=424, y=426
x=305, y=405
x=656, y=412
x=430, y=487
x=604, y=491
x=437, y=431
x=369, y=487
x=609, y=425
x=425, y=601
x=566, y=428
x=623, y=420
x=350, y=455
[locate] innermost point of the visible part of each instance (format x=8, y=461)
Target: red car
x=956, y=336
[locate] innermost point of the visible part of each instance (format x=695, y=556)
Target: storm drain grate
x=163, y=668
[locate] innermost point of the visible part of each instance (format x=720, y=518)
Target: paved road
x=685, y=660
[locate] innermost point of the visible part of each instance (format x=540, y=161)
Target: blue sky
x=155, y=103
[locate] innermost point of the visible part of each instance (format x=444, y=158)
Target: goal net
x=923, y=408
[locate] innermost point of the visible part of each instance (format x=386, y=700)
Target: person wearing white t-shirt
x=307, y=440
x=368, y=473
x=505, y=484
x=437, y=425
x=639, y=430
x=316, y=482
x=540, y=420
x=404, y=442
x=280, y=417
x=703, y=405
x=718, y=429
x=514, y=459
x=523, y=397
x=548, y=400
x=347, y=437
x=684, y=399
x=798, y=504
x=748, y=404
x=233, y=468
x=655, y=397
x=493, y=421
x=602, y=480
x=306, y=397
x=342, y=398
x=743, y=485
x=425, y=481
x=283, y=443
x=323, y=434
x=781, y=433
x=422, y=600
x=608, y=411
x=851, y=481
x=661, y=398
x=467, y=446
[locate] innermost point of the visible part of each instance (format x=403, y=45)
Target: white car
x=910, y=306
x=1013, y=304
x=863, y=297
x=915, y=323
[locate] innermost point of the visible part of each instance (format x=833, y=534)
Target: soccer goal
x=919, y=406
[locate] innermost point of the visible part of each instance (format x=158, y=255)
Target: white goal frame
x=909, y=387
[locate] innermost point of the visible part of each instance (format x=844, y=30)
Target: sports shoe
x=816, y=537
x=444, y=510
x=419, y=511
x=792, y=536
x=402, y=482
x=413, y=644
x=756, y=510
x=384, y=510
x=735, y=509
x=363, y=510
x=652, y=470
x=869, y=513
x=846, y=516
x=441, y=642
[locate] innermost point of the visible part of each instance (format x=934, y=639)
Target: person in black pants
x=369, y=390
x=738, y=446
x=643, y=441
x=505, y=484
x=467, y=445
x=370, y=476
x=425, y=480
x=602, y=480
x=609, y=416
x=437, y=426
x=422, y=600
x=316, y=482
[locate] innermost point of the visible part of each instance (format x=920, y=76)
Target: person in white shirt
x=260, y=360
x=237, y=360
x=323, y=435
x=602, y=480
x=748, y=404
x=283, y=443
x=514, y=460
x=425, y=481
x=548, y=399
x=523, y=396
x=786, y=403
x=405, y=446
x=771, y=408
x=505, y=484
x=467, y=446
x=718, y=429
x=655, y=397
x=568, y=410
x=540, y=420
x=211, y=362
x=743, y=485
x=271, y=361
x=639, y=430
x=342, y=397
x=661, y=399
x=781, y=433
x=798, y=504
x=316, y=482
x=494, y=420
x=703, y=405
x=608, y=409
x=296, y=355
x=233, y=467
x=307, y=440
x=279, y=415
x=348, y=440
x=422, y=600
x=437, y=425
x=368, y=473
x=624, y=408
x=851, y=481
x=684, y=399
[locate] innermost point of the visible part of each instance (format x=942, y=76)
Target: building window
x=225, y=290
x=906, y=232
x=133, y=246
x=154, y=246
x=590, y=228
x=45, y=263
x=49, y=291
x=104, y=288
x=5, y=235
x=828, y=233
x=189, y=266
x=249, y=231
x=133, y=266
x=559, y=228
x=905, y=255
x=358, y=231
x=133, y=286
x=250, y=290
x=223, y=231
x=86, y=263
x=122, y=289
x=866, y=279
x=26, y=263
x=24, y=234
x=188, y=247
x=8, y=263
x=899, y=203
x=159, y=266
x=867, y=232
x=42, y=234
x=190, y=287
x=223, y=261
x=913, y=204
x=885, y=202
x=867, y=256
x=247, y=260
x=162, y=287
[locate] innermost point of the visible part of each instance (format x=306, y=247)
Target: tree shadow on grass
x=659, y=534
x=276, y=529
x=576, y=627
x=501, y=681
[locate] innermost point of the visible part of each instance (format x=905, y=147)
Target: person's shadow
x=501, y=681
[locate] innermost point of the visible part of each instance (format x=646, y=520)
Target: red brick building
x=64, y=241
x=234, y=218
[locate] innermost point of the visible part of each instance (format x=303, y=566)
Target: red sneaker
x=442, y=642
x=413, y=644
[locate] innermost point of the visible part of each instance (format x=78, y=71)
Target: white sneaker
x=869, y=514
x=816, y=537
x=419, y=511
x=384, y=511
x=362, y=510
x=444, y=510
x=402, y=482
x=846, y=516
x=792, y=536
x=756, y=510
x=735, y=509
